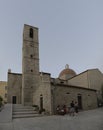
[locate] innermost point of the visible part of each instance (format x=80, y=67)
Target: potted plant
x=35, y=107
x=43, y=111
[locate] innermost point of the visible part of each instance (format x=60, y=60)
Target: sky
x=70, y=32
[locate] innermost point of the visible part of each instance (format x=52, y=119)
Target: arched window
x=31, y=33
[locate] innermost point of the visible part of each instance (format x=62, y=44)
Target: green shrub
x=34, y=105
x=1, y=99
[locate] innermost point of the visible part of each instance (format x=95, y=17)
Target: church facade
x=33, y=87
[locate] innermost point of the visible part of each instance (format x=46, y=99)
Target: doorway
x=13, y=99
x=41, y=102
x=80, y=101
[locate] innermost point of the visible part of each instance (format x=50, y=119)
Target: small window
x=31, y=33
x=31, y=56
x=31, y=70
x=61, y=82
x=67, y=93
x=79, y=94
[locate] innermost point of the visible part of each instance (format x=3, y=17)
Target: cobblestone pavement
x=87, y=120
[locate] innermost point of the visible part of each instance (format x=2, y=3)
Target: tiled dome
x=67, y=73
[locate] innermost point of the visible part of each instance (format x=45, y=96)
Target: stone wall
x=44, y=90
x=95, y=79
x=14, y=87
x=89, y=79
x=30, y=64
x=64, y=94
x=79, y=80
x=3, y=90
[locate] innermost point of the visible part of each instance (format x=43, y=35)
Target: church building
x=32, y=87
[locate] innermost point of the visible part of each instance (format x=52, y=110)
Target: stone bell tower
x=30, y=64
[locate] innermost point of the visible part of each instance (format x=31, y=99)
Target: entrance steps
x=20, y=111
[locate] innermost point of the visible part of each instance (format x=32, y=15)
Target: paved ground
x=6, y=114
x=88, y=120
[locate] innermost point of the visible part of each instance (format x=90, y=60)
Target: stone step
x=24, y=109
x=25, y=116
x=25, y=112
x=17, y=106
x=20, y=111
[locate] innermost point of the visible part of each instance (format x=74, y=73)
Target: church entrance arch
x=13, y=99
